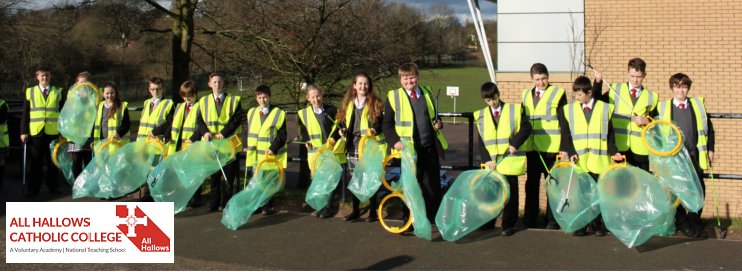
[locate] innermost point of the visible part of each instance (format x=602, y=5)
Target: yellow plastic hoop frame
x=272, y=159
x=157, y=143
x=380, y=213
x=489, y=208
x=653, y=123
x=386, y=161
x=91, y=85
x=55, y=160
x=324, y=148
x=108, y=142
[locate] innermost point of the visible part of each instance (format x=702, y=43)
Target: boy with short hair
x=503, y=129
x=266, y=135
x=39, y=120
x=689, y=113
x=221, y=115
x=157, y=112
x=587, y=137
x=632, y=102
x=409, y=114
x=541, y=103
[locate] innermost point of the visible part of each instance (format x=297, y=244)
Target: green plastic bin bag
x=266, y=182
x=325, y=179
x=62, y=159
x=475, y=198
x=366, y=178
x=77, y=116
x=123, y=171
x=635, y=206
x=573, y=196
x=181, y=174
x=411, y=190
x=672, y=164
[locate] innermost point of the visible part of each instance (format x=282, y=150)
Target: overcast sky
x=460, y=7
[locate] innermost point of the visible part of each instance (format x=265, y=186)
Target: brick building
x=700, y=38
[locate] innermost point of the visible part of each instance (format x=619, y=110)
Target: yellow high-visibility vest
x=404, y=117
x=497, y=139
x=182, y=130
x=628, y=133
x=543, y=117
x=215, y=123
x=113, y=122
x=44, y=112
x=699, y=108
x=307, y=117
x=261, y=134
x=364, y=126
x=154, y=118
x=590, y=137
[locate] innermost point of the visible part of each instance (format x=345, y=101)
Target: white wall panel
x=518, y=57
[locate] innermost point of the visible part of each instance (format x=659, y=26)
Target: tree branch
x=154, y=30
x=157, y=6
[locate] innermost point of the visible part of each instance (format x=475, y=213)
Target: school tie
x=262, y=114
x=586, y=108
x=682, y=106
x=151, y=106
x=45, y=92
x=497, y=113
x=413, y=94
x=188, y=107
x=633, y=93
x=218, y=101
x=538, y=94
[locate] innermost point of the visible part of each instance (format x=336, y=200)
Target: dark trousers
x=681, y=215
x=510, y=211
x=536, y=170
x=598, y=221
x=40, y=157
x=222, y=190
x=429, y=177
x=79, y=160
x=641, y=161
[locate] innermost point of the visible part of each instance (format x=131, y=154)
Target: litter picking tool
x=722, y=230
x=569, y=186
x=25, y=152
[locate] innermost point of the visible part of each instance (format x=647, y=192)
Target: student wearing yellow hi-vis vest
x=4, y=139
x=157, y=112
x=266, y=136
x=689, y=113
x=317, y=127
x=40, y=116
x=541, y=104
x=360, y=114
x=409, y=114
x=632, y=102
x=503, y=129
x=112, y=119
x=588, y=137
x=183, y=126
x=81, y=153
x=220, y=116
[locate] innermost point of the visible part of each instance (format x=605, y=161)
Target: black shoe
x=352, y=216
x=195, y=204
x=701, y=232
x=372, y=219
x=598, y=228
x=580, y=232
x=319, y=212
x=552, y=226
x=688, y=230
x=267, y=211
x=507, y=232
x=325, y=214
x=213, y=208
x=487, y=226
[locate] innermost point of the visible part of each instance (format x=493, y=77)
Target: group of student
x=592, y=130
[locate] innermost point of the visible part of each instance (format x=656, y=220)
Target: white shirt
x=677, y=103
x=359, y=104
x=220, y=96
x=318, y=110
x=539, y=93
x=589, y=104
x=155, y=101
x=417, y=92
x=498, y=109
x=638, y=90
x=266, y=110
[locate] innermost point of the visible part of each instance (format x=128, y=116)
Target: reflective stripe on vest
x=113, y=122
x=628, y=133
x=261, y=134
x=699, y=109
x=497, y=139
x=150, y=120
x=363, y=126
x=404, y=116
x=314, y=130
x=543, y=117
x=590, y=138
x=44, y=112
x=215, y=123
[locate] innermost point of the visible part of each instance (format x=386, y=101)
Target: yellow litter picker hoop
x=496, y=205
x=55, y=153
x=653, y=149
x=395, y=193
